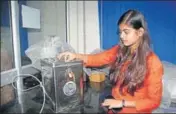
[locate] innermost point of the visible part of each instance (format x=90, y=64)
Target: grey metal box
x=65, y=91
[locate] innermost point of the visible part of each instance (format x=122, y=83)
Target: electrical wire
x=41, y=85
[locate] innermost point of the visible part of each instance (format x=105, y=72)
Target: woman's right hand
x=67, y=56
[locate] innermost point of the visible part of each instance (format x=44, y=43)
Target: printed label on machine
x=69, y=88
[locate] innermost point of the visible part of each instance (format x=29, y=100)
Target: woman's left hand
x=112, y=103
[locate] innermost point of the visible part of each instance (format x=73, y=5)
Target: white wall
x=53, y=20
x=92, y=26
x=83, y=25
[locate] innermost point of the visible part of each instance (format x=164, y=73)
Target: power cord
x=41, y=85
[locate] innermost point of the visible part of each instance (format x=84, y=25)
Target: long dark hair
x=134, y=75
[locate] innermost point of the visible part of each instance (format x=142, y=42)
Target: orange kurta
x=149, y=96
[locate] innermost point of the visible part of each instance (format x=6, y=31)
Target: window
x=7, y=56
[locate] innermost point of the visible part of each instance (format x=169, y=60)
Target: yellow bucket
x=97, y=77
x=97, y=80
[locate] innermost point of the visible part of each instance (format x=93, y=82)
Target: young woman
x=136, y=71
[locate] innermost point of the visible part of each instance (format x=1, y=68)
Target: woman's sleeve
x=103, y=58
x=154, y=86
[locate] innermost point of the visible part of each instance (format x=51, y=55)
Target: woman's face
x=129, y=35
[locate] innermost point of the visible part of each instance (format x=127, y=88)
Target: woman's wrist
x=76, y=56
x=128, y=103
x=123, y=103
x=81, y=57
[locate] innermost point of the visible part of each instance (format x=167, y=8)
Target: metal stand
x=16, y=43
